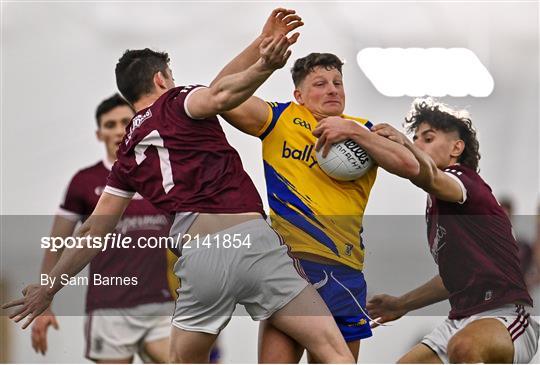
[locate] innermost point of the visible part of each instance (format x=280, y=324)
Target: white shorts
x=523, y=329
x=214, y=279
x=119, y=333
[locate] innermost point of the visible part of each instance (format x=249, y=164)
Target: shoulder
x=277, y=110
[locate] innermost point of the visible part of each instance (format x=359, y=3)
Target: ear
x=159, y=80
x=99, y=136
x=298, y=96
x=457, y=148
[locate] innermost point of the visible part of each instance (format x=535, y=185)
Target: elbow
x=222, y=100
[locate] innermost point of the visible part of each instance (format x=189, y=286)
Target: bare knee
x=462, y=349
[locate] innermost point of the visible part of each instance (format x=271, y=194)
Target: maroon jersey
x=181, y=164
x=473, y=245
x=147, y=265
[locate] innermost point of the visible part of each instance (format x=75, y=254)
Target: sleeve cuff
x=187, y=98
x=463, y=189
x=119, y=192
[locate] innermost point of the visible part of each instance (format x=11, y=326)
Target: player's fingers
x=35, y=337
x=326, y=147
x=286, y=56
x=293, y=26
x=21, y=314
x=29, y=320
x=281, y=46
x=44, y=345
x=282, y=14
x=54, y=323
x=291, y=17
x=276, y=11
x=320, y=142
x=13, y=303
x=266, y=42
x=292, y=39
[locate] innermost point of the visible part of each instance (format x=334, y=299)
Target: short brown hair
x=135, y=71
x=304, y=66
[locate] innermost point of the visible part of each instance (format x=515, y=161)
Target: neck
x=145, y=102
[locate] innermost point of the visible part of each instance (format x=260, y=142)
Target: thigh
x=156, y=351
x=484, y=339
x=190, y=346
x=155, y=347
x=307, y=320
x=275, y=347
x=420, y=354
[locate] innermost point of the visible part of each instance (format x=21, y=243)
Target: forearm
x=73, y=260
x=431, y=292
x=391, y=156
x=232, y=90
x=50, y=259
x=428, y=168
x=245, y=59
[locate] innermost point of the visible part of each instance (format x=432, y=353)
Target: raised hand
x=40, y=328
x=34, y=302
x=274, y=52
x=384, y=308
x=282, y=22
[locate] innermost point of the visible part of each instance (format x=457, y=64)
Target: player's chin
x=333, y=109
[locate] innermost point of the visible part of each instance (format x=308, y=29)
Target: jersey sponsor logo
x=438, y=242
x=137, y=121
x=348, y=249
x=301, y=155
x=141, y=222
x=302, y=123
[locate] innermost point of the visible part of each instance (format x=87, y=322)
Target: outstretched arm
x=280, y=22
x=391, y=156
x=429, y=178
x=37, y=298
x=62, y=227
x=385, y=308
x=232, y=90
x=251, y=116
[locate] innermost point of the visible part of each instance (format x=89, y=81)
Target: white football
x=346, y=161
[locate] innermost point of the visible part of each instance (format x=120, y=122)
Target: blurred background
x=58, y=63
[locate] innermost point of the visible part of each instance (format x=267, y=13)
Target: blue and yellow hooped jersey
x=313, y=212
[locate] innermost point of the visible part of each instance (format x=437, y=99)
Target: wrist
x=358, y=130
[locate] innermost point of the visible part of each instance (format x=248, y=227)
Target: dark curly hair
x=135, y=71
x=441, y=117
x=303, y=66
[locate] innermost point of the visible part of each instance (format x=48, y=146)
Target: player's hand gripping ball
x=346, y=161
